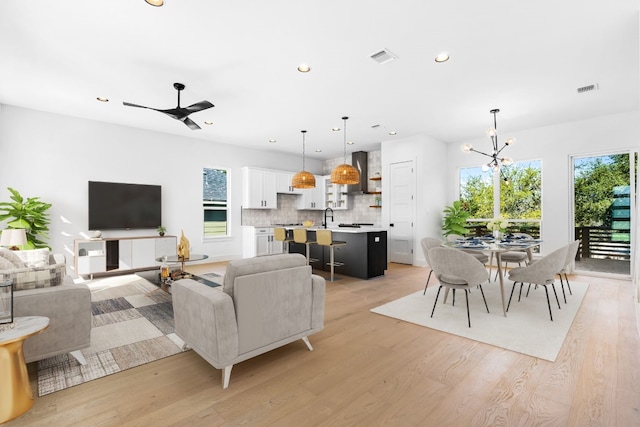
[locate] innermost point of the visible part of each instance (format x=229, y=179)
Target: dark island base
x=364, y=256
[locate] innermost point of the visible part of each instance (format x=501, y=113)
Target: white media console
x=121, y=254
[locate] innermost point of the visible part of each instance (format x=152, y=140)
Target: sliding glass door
x=603, y=200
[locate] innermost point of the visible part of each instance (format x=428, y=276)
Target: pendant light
x=303, y=179
x=345, y=173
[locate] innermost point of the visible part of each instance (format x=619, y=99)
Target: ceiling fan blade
x=199, y=106
x=192, y=125
x=128, y=104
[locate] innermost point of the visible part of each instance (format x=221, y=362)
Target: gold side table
x=15, y=389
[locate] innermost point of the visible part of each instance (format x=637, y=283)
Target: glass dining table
x=490, y=246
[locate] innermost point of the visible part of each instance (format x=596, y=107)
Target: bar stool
x=300, y=236
x=280, y=234
x=324, y=238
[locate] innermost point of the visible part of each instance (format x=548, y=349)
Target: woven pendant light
x=303, y=179
x=345, y=173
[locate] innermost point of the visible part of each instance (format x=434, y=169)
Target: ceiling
x=526, y=58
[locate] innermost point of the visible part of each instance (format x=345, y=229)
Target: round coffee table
x=15, y=389
x=182, y=260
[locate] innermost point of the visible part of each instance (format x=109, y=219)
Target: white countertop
x=361, y=229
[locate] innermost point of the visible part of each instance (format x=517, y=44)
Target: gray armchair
x=265, y=303
x=47, y=291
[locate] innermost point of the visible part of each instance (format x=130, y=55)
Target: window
x=215, y=185
x=519, y=197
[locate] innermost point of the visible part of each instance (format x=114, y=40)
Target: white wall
x=553, y=145
x=52, y=157
x=429, y=156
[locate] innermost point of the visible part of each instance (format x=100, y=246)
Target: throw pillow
x=11, y=257
x=35, y=258
x=5, y=264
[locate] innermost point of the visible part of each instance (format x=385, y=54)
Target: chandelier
x=345, y=173
x=303, y=179
x=496, y=161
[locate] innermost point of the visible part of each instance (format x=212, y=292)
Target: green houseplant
x=455, y=219
x=30, y=214
x=161, y=230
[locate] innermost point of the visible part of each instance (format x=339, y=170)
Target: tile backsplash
x=287, y=212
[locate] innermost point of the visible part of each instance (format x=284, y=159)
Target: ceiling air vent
x=588, y=88
x=383, y=56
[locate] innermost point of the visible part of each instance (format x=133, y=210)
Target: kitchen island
x=364, y=256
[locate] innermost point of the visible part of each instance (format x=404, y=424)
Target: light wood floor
x=369, y=370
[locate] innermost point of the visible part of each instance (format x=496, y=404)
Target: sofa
x=42, y=288
x=264, y=303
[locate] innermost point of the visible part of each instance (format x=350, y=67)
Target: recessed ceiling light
x=208, y=122
x=335, y=129
x=272, y=140
x=443, y=57
x=102, y=99
x=318, y=150
x=156, y=3
x=304, y=68
x=350, y=143
x=393, y=132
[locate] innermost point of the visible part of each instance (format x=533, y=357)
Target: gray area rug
x=527, y=328
x=132, y=324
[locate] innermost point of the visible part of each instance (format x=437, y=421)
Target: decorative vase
x=497, y=234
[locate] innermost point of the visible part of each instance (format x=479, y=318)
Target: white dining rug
x=527, y=328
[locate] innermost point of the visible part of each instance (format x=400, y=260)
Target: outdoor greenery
x=520, y=194
x=30, y=214
x=595, y=181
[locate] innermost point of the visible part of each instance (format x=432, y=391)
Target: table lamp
x=13, y=238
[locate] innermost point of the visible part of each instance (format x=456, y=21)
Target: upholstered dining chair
x=428, y=243
x=479, y=255
x=568, y=267
x=514, y=256
x=457, y=270
x=542, y=272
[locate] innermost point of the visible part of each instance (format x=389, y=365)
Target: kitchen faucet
x=325, y=216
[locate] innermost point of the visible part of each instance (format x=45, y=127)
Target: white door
x=401, y=211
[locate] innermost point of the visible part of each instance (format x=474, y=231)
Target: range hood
x=359, y=160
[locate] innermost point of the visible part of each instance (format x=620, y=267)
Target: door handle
x=390, y=225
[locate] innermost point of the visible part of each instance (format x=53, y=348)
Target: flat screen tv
x=117, y=206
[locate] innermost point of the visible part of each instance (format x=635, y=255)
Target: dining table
x=496, y=248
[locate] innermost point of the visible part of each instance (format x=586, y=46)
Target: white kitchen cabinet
x=259, y=241
x=283, y=183
x=313, y=198
x=336, y=195
x=259, y=188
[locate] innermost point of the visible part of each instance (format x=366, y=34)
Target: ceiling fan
x=179, y=113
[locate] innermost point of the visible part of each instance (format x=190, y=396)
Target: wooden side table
x=15, y=389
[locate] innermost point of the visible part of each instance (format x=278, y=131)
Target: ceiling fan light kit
x=179, y=113
x=345, y=173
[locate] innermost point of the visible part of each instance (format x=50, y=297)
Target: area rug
x=527, y=328
x=132, y=324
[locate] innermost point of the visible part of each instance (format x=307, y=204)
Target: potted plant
x=30, y=214
x=455, y=219
x=161, y=230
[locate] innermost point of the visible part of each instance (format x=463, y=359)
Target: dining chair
x=428, y=243
x=542, y=272
x=568, y=266
x=479, y=255
x=515, y=256
x=456, y=269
